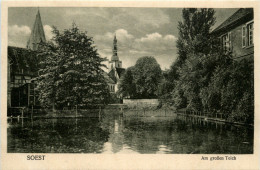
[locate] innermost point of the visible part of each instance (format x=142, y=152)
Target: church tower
x=37, y=34
x=115, y=63
x=116, y=71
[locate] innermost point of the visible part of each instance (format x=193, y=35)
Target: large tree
x=206, y=78
x=147, y=76
x=142, y=80
x=71, y=72
x=194, y=45
x=231, y=90
x=127, y=86
x=194, y=32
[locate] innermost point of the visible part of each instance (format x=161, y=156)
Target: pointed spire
x=115, y=57
x=37, y=34
x=115, y=40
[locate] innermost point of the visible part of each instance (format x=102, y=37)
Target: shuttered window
x=250, y=28
x=243, y=36
x=229, y=42
x=226, y=42
x=248, y=34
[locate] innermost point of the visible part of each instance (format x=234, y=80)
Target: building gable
x=239, y=17
x=23, y=61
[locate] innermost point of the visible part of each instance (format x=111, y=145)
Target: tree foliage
x=231, y=90
x=194, y=44
x=194, y=32
x=127, y=86
x=142, y=80
x=204, y=78
x=147, y=76
x=71, y=72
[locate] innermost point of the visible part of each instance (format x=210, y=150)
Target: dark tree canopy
x=147, y=76
x=127, y=86
x=142, y=80
x=194, y=44
x=205, y=78
x=194, y=32
x=71, y=72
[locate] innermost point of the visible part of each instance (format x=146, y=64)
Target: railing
x=16, y=111
x=203, y=114
x=214, y=116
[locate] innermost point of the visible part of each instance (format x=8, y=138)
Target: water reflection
x=118, y=134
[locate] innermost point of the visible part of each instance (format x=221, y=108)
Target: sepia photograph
x=130, y=80
x=129, y=85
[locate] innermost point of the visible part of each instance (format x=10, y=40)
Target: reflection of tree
x=207, y=137
x=143, y=135
x=87, y=137
x=185, y=136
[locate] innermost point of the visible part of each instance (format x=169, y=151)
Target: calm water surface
x=117, y=134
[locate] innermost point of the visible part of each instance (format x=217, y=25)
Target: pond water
x=118, y=134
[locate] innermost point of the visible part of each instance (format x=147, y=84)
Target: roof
x=108, y=79
x=120, y=72
x=23, y=61
x=37, y=34
x=111, y=74
x=239, y=16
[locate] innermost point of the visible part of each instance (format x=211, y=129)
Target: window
x=243, y=36
x=226, y=42
x=250, y=28
x=248, y=34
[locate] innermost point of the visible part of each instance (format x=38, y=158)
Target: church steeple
x=115, y=63
x=37, y=34
x=115, y=56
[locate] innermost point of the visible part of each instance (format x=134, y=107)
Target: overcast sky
x=140, y=31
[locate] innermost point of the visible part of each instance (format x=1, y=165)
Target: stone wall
x=141, y=103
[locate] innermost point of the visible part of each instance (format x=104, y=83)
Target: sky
x=140, y=31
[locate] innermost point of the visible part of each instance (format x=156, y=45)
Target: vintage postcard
x=129, y=85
